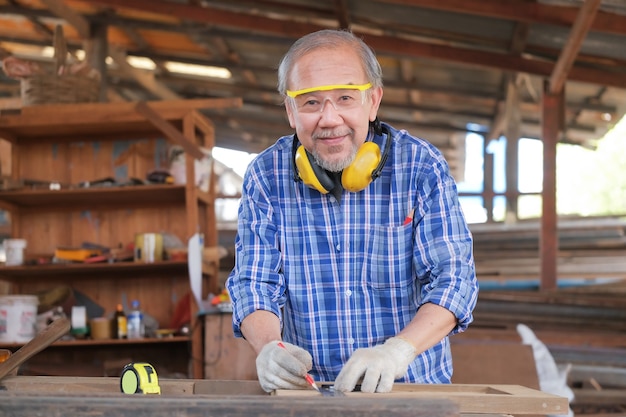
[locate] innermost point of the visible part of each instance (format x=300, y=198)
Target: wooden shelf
x=98, y=121
x=112, y=269
x=77, y=198
x=73, y=143
x=107, y=342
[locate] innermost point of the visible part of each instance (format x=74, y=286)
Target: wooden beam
x=512, y=133
x=517, y=46
x=68, y=117
x=69, y=15
x=507, y=110
x=522, y=11
x=343, y=13
x=146, y=79
x=416, y=49
x=7, y=103
x=552, y=124
x=169, y=130
x=82, y=26
x=568, y=55
x=383, y=44
x=96, y=52
x=216, y=16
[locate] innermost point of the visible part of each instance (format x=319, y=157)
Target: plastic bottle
x=120, y=324
x=136, y=328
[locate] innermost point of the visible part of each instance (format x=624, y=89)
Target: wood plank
x=84, y=385
x=602, y=398
x=226, y=356
x=471, y=398
x=584, y=336
x=491, y=363
x=38, y=122
x=81, y=198
x=120, y=405
x=171, y=132
x=602, y=376
x=169, y=387
x=85, y=397
x=206, y=126
x=146, y=79
x=582, y=24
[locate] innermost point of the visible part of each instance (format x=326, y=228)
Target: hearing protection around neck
x=366, y=167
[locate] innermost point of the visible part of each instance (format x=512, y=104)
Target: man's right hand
x=281, y=365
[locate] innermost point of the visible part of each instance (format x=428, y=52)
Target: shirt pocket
x=389, y=260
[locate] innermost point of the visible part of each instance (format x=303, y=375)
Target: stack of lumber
x=582, y=322
x=584, y=327
x=589, y=248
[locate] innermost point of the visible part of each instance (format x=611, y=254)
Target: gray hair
x=329, y=39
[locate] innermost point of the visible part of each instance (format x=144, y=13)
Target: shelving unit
x=66, y=145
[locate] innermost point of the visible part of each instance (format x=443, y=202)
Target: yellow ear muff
x=311, y=174
x=359, y=174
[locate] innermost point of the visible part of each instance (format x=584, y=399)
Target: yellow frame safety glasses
x=360, y=87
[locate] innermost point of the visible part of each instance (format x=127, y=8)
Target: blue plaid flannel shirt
x=342, y=276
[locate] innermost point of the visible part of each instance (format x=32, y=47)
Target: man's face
x=331, y=124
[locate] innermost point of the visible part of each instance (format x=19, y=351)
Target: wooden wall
x=97, y=222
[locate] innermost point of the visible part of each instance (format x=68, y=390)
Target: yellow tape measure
x=139, y=378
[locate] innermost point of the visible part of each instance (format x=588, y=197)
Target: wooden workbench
x=23, y=396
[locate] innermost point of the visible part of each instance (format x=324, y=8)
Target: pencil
x=307, y=377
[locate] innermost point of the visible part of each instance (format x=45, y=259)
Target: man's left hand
x=379, y=366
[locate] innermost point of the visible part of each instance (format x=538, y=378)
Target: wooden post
x=552, y=125
x=488, y=194
x=552, y=122
x=512, y=134
x=96, y=51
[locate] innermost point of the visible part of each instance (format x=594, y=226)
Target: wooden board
x=226, y=356
x=471, y=398
x=86, y=397
x=121, y=405
x=56, y=385
x=36, y=123
x=53, y=385
x=493, y=363
x=467, y=398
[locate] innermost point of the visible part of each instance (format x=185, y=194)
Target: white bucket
x=14, y=250
x=18, y=314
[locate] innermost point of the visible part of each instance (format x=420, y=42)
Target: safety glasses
x=343, y=97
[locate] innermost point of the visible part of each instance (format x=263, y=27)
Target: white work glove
x=379, y=366
x=283, y=367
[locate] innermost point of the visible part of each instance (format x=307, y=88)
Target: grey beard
x=335, y=166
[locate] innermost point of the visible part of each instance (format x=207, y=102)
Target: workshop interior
x=126, y=127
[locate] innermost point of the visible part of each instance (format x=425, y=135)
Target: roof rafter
x=529, y=12
x=382, y=43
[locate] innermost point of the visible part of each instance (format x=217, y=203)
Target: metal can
x=148, y=247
